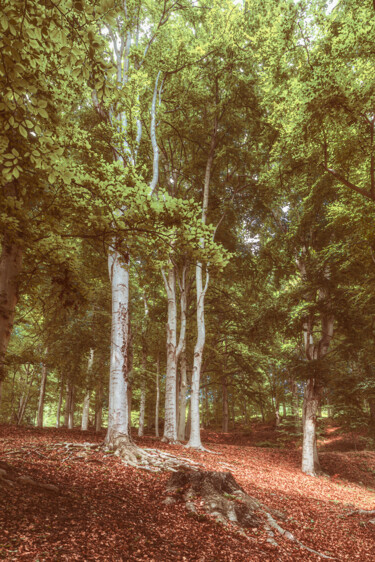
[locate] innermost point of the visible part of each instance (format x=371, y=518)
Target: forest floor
x=107, y=511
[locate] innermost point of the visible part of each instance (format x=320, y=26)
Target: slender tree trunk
x=310, y=460
x=157, y=396
x=183, y=394
x=42, y=394
x=142, y=407
x=71, y=406
x=195, y=437
x=1, y=393
x=85, y=411
x=170, y=422
x=118, y=433
x=284, y=409
x=58, y=413
x=24, y=398
x=188, y=422
x=99, y=406
x=277, y=412
x=67, y=406
x=225, y=421
x=86, y=400
x=10, y=269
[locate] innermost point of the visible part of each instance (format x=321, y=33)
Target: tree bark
x=71, y=406
x=170, y=422
x=58, y=413
x=67, y=406
x=310, y=459
x=225, y=418
x=182, y=397
x=99, y=406
x=10, y=269
x=142, y=407
x=86, y=400
x=42, y=394
x=118, y=411
x=195, y=437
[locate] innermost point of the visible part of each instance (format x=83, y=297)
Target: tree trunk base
x=153, y=460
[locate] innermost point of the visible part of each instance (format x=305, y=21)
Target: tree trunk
x=42, y=394
x=58, y=413
x=170, y=422
x=182, y=397
x=85, y=412
x=195, y=437
x=118, y=434
x=71, y=406
x=10, y=269
x=67, y=406
x=1, y=393
x=188, y=422
x=310, y=460
x=86, y=400
x=99, y=406
x=225, y=418
x=142, y=407
x=277, y=412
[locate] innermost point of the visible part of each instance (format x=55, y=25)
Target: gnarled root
x=228, y=503
x=147, y=459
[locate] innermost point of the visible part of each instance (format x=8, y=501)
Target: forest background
x=217, y=159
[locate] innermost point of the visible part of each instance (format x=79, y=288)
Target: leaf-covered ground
x=106, y=511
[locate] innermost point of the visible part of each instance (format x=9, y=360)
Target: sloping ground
x=106, y=511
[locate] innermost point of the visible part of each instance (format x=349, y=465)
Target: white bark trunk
x=85, y=412
x=195, y=436
x=42, y=394
x=142, y=407
x=118, y=411
x=86, y=400
x=67, y=406
x=310, y=460
x=182, y=398
x=170, y=422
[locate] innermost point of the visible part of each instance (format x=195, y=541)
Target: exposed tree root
x=228, y=503
x=10, y=477
x=146, y=459
x=202, y=449
x=361, y=512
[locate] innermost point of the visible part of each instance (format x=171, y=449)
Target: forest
x=187, y=280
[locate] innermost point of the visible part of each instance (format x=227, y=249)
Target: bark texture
x=42, y=394
x=118, y=410
x=86, y=400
